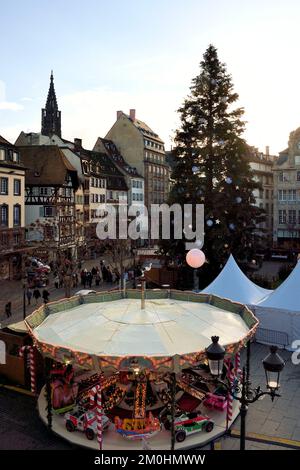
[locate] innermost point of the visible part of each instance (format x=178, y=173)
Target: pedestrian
x=8, y=309
x=36, y=295
x=28, y=295
x=94, y=271
x=89, y=279
x=108, y=275
x=97, y=278
x=56, y=281
x=104, y=273
x=46, y=296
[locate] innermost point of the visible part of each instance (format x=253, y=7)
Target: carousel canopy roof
x=166, y=327
x=234, y=285
x=286, y=296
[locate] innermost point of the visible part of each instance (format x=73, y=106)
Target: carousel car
x=85, y=421
x=186, y=424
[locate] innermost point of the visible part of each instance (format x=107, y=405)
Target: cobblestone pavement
x=21, y=428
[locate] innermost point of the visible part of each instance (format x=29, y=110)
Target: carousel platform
x=162, y=441
x=116, y=342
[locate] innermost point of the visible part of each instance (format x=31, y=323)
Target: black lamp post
x=215, y=354
x=24, y=300
x=273, y=365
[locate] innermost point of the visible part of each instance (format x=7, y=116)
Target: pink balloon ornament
x=195, y=258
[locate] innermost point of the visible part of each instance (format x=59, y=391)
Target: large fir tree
x=211, y=167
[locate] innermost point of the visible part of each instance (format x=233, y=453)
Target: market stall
x=119, y=374
x=233, y=284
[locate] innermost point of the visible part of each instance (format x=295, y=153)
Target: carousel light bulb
x=195, y=258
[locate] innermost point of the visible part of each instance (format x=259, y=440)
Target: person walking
x=90, y=279
x=45, y=296
x=36, y=295
x=28, y=295
x=56, y=281
x=97, y=279
x=8, y=309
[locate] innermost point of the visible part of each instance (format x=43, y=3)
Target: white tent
x=234, y=285
x=280, y=311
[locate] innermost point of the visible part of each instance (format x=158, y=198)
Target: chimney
x=267, y=151
x=132, y=114
x=77, y=143
x=119, y=114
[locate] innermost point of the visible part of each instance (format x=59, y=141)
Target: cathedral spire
x=51, y=116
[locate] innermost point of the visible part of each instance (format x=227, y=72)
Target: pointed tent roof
x=232, y=284
x=286, y=296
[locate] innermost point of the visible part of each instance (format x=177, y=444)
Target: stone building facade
x=12, y=213
x=287, y=195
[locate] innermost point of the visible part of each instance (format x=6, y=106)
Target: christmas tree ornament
x=195, y=258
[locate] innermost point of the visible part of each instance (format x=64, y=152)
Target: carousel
x=129, y=370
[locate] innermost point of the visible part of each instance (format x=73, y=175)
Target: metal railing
x=265, y=335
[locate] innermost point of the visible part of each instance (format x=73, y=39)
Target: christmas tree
x=211, y=168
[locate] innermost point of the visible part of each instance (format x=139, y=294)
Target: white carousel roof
x=232, y=284
x=286, y=296
x=120, y=328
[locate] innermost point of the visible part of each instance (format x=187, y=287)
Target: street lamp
x=273, y=365
x=215, y=354
x=24, y=300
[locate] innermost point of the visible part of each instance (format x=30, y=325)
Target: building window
x=4, y=186
x=292, y=217
x=49, y=211
x=283, y=177
x=298, y=175
x=3, y=239
x=17, y=214
x=17, y=239
x=282, y=216
x=4, y=215
x=17, y=187
x=44, y=191
x=2, y=154
x=15, y=157
x=287, y=195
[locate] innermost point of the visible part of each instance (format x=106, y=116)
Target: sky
x=117, y=55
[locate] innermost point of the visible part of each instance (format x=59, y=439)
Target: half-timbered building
x=50, y=186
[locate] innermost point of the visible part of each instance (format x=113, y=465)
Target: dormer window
x=16, y=158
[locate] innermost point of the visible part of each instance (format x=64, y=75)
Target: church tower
x=51, y=116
